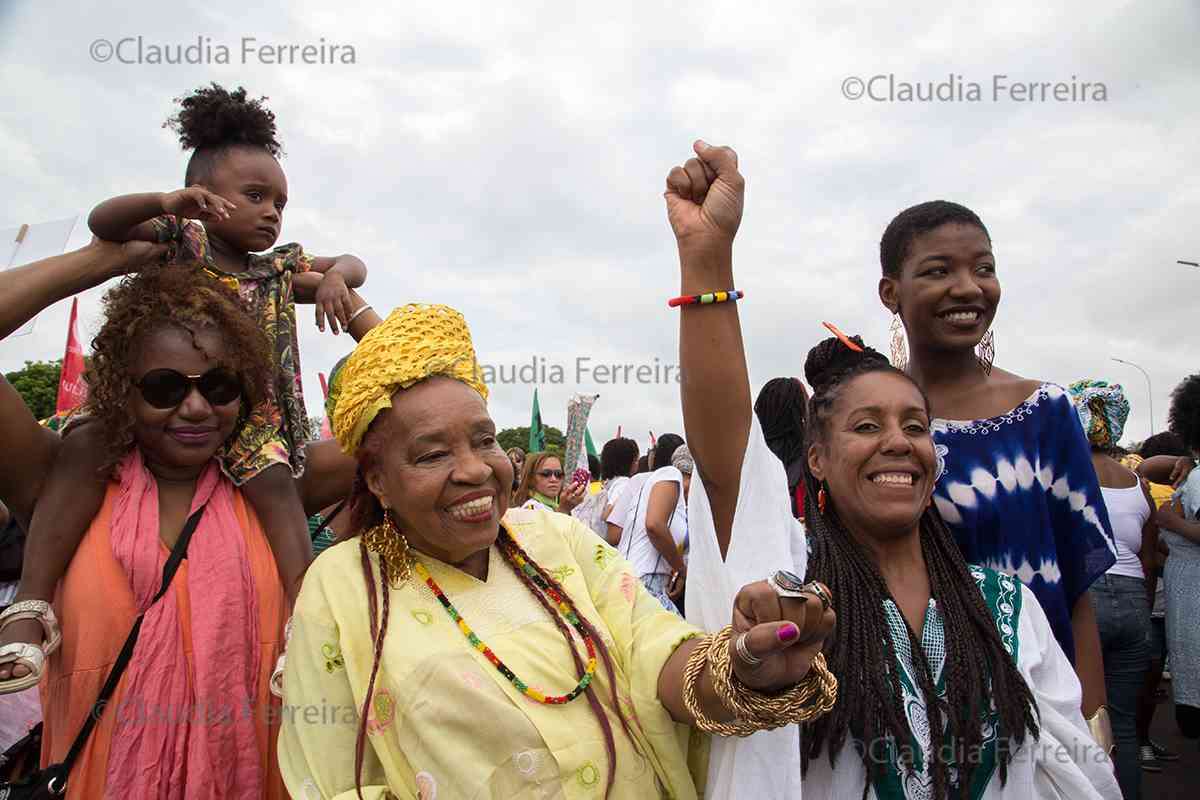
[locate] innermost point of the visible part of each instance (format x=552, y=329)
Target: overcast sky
x=509, y=160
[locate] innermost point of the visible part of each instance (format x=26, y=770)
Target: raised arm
x=704, y=206
x=1167, y=470
x=26, y=291
x=329, y=476
x=29, y=289
x=127, y=217
x=328, y=286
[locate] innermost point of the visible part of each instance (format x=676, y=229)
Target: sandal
x=25, y=654
x=275, y=684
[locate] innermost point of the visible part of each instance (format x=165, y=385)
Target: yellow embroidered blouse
x=444, y=722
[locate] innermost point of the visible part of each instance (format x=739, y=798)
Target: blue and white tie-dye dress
x=1021, y=495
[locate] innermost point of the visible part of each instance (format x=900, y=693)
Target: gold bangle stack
x=811, y=698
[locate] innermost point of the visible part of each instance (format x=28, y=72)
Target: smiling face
x=876, y=455
x=440, y=469
x=251, y=179
x=548, y=478
x=946, y=290
x=180, y=441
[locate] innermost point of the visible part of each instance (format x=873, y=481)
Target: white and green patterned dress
x=1063, y=763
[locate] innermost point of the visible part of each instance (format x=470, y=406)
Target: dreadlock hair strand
x=366, y=511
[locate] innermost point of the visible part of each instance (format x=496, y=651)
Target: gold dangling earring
x=821, y=500
x=985, y=352
x=899, y=344
x=386, y=541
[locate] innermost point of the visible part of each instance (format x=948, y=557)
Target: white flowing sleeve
x=1067, y=761
x=765, y=538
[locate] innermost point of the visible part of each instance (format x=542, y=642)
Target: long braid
x=589, y=692
x=377, y=634
x=980, y=673
x=781, y=411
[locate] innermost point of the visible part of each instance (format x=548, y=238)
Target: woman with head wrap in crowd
x=1016, y=463
x=499, y=652
x=1122, y=596
x=953, y=683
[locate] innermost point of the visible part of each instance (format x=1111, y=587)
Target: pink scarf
x=183, y=734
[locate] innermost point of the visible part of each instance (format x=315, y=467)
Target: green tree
x=37, y=384
x=556, y=440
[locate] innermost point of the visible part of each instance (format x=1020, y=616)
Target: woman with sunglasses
x=175, y=367
x=541, y=485
x=952, y=685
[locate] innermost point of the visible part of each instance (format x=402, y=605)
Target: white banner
x=29, y=243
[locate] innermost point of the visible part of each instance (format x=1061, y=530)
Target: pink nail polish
x=788, y=633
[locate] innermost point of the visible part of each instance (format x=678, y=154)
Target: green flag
x=587, y=442
x=537, y=436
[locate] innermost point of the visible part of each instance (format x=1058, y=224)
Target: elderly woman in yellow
x=457, y=648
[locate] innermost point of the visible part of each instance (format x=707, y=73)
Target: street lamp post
x=1149, y=389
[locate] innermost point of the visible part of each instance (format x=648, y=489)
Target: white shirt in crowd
x=1128, y=511
x=630, y=513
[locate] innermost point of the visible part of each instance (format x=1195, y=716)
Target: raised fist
x=704, y=198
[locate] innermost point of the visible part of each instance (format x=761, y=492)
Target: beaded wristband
x=706, y=299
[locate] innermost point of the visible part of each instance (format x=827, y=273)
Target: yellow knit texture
x=415, y=342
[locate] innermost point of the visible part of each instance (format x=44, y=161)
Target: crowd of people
x=921, y=576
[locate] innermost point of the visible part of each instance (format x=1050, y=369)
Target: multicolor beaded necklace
x=565, y=607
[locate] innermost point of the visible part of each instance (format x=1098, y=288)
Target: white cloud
x=510, y=161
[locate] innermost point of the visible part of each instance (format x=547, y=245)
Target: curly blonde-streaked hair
x=147, y=302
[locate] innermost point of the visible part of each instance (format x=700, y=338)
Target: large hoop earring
x=899, y=344
x=386, y=541
x=985, y=352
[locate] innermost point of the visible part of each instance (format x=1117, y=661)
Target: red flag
x=72, y=390
x=326, y=430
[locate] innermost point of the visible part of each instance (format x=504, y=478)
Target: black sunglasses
x=551, y=473
x=167, y=388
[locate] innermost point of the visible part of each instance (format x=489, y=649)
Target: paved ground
x=1179, y=779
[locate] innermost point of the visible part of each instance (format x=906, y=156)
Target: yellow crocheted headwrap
x=415, y=342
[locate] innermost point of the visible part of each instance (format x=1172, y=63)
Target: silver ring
x=787, y=584
x=814, y=587
x=743, y=652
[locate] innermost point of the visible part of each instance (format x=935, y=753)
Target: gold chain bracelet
x=809, y=699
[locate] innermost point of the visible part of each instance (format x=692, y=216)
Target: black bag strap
x=178, y=553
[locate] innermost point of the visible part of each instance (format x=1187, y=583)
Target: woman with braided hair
x=428, y=652
x=924, y=642
x=781, y=409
